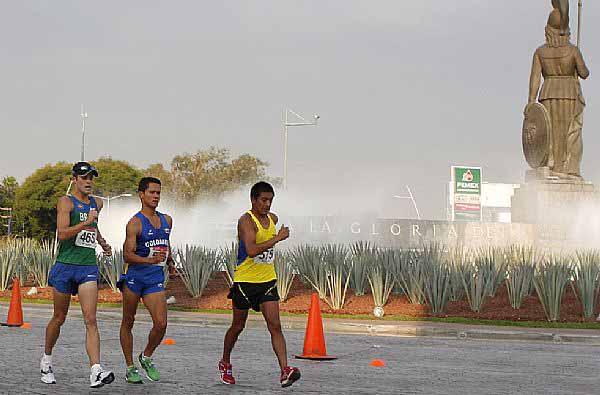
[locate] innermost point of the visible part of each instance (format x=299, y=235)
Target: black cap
x=83, y=169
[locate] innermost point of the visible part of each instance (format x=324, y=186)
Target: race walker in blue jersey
x=146, y=253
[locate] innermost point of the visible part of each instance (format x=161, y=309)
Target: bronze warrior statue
x=561, y=64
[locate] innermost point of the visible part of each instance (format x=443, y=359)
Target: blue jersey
x=152, y=240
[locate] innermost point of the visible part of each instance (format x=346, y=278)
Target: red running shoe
x=225, y=373
x=289, y=375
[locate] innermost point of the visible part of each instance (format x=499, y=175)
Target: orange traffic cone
x=314, y=340
x=15, y=311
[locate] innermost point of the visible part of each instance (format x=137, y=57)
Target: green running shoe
x=133, y=376
x=148, y=366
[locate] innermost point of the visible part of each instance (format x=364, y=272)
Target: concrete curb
x=357, y=327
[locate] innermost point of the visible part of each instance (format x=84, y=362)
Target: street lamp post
x=83, y=118
x=109, y=198
x=286, y=125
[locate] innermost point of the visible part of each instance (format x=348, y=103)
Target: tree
x=36, y=199
x=208, y=174
x=116, y=177
x=8, y=189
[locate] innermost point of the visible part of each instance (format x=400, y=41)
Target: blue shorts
x=67, y=278
x=143, y=279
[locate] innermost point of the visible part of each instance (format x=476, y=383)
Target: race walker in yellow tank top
x=259, y=269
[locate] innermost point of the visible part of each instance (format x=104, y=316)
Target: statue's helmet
x=554, y=19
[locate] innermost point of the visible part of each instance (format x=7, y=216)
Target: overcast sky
x=404, y=88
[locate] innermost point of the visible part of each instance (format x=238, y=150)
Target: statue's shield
x=536, y=135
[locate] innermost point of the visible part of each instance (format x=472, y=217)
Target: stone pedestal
x=553, y=201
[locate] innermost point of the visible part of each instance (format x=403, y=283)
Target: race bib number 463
x=266, y=257
x=86, y=238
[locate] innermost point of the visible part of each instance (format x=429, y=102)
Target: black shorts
x=251, y=295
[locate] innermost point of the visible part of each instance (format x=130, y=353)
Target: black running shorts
x=251, y=295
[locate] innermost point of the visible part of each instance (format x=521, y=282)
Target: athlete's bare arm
x=132, y=231
x=63, y=219
x=247, y=233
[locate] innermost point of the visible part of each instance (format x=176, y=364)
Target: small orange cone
x=378, y=363
x=314, y=339
x=168, y=342
x=15, y=310
x=26, y=325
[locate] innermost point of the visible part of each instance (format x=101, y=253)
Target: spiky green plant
x=495, y=262
x=8, y=263
x=285, y=273
x=411, y=276
x=22, y=250
x=363, y=256
x=308, y=262
x=587, y=280
x=229, y=261
x=437, y=277
x=401, y=259
x=111, y=268
x=521, y=269
x=478, y=279
x=455, y=258
x=380, y=276
x=42, y=258
x=197, y=267
x=335, y=257
x=550, y=280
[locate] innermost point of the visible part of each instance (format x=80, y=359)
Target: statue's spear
x=580, y=5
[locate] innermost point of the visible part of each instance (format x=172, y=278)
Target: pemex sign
x=466, y=193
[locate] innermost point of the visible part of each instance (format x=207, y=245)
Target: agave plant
x=380, y=275
x=478, y=280
x=363, y=255
x=551, y=278
x=197, y=267
x=285, y=274
x=456, y=257
x=587, y=280
x=437, y=279
x=229, y=261
x=308, y=262
x=521, y=269
x=111, y=268
x=23, y=250
x=8, y=263
x=339, y=266
x=411, y=275
x=42, y=258
x=493, y=260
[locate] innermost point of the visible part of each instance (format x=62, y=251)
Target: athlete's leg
x=237, y=326
x=88, y=298
x=61, y=303
x=157, y=307
x=130, y=303
x=270, y=311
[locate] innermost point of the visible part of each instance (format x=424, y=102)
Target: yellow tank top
x=259, y=269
